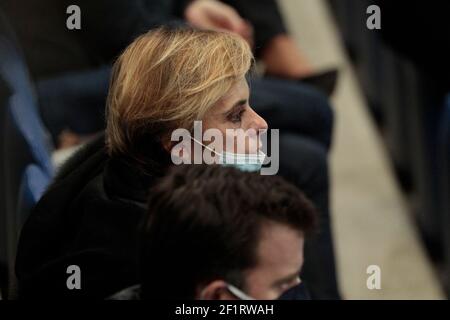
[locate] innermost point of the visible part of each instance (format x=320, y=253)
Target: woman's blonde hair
x=167, y=79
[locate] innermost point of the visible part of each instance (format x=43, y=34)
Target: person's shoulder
x=80, y=171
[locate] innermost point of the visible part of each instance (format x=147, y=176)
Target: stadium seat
x=33, y=185
x=408, y=103
x=23, y=108
x=4, y=98
x=23, y=140
x=444, y=155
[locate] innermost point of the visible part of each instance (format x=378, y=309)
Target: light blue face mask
x=242, y=161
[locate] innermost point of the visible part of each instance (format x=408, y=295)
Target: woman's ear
x=167, y=144
x=180, y=152
x=215, y=290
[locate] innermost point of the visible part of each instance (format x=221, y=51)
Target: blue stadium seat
x=23, y=108
x=33, y=185
x=23, y=141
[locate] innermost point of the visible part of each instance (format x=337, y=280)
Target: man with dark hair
x=215, y=232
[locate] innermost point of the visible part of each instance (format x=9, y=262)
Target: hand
x=283, y=58
x=212, y=14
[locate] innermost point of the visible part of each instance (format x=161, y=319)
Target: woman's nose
x=257, y=122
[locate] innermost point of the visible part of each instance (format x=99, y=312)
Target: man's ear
x=216, y=290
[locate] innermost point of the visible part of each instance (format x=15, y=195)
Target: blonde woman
x=87, y=220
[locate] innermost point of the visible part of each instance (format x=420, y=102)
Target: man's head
x=209, y=227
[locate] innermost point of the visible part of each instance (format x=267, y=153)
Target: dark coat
x=89, y=217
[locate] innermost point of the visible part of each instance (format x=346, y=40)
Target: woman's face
x=234, y=112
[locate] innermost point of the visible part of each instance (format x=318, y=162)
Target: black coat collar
x=127, y=180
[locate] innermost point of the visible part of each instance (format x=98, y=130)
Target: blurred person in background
x=72, y=66
x=89, y=216
x=217, y=233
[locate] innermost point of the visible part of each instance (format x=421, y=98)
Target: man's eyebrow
x=287, y=279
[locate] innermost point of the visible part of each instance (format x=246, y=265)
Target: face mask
x=238, y=293
x=242, y=161
x=298, y=292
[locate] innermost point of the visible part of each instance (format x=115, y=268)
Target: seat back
x=444, y=155
x=34, y=183
x=23, y=140
x=23, y=102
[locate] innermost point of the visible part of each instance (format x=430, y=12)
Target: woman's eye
x=236, y=117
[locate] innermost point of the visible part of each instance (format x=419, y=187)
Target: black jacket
x=89, y=217
x=299, y=292
x=266, y=18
